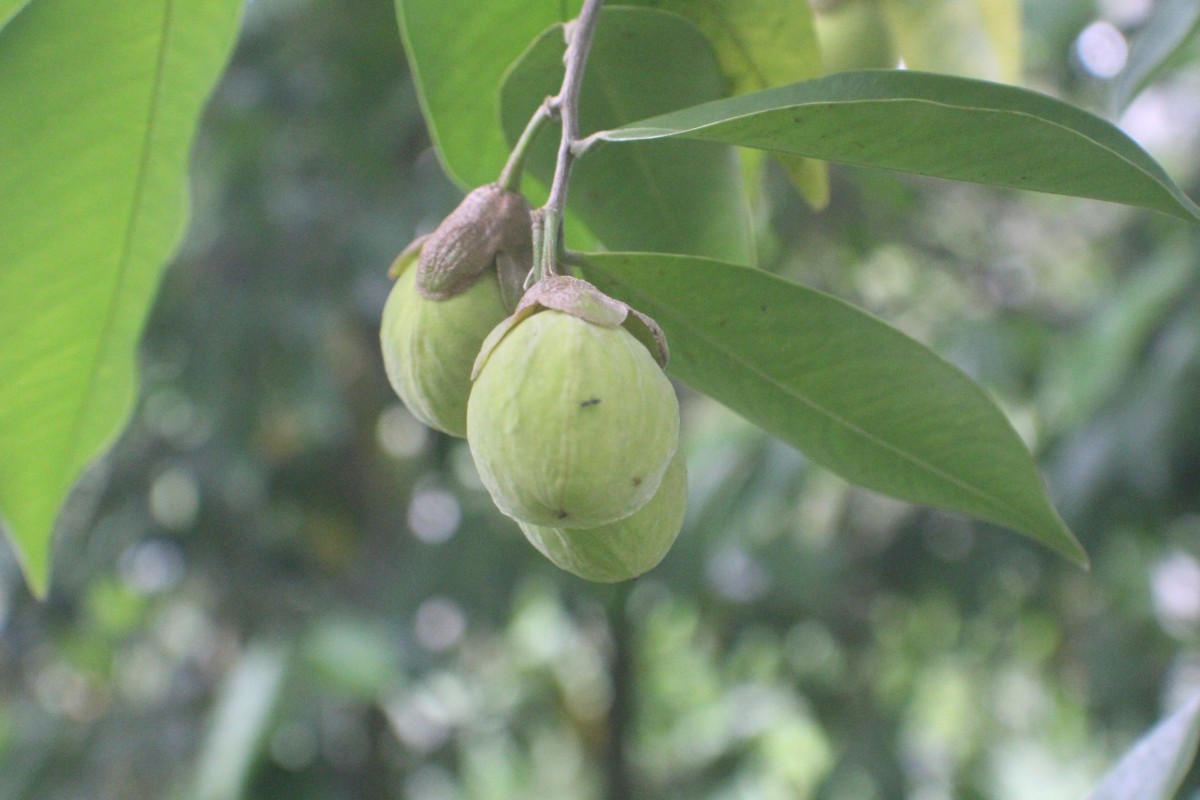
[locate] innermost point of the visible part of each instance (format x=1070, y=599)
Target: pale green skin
x=429, y=347
x=571, y=424
x=624, y=549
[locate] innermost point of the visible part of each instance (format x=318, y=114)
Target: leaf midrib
x=1185, y=203
x=920, y=463
x=122, y=274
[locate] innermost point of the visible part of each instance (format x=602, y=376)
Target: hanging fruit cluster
x=571, y=422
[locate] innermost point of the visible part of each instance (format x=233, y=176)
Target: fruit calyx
x=583, y=300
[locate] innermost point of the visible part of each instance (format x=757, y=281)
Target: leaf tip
x=32, y=553
x=39, y=585
x=1067, y=546
x=37, y=576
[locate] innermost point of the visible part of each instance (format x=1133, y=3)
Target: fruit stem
x=547, y=250
x=540, y=267
x=510, y=176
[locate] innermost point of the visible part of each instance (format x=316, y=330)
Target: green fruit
x=429, y=347
x=624, y=549
x=571, y=424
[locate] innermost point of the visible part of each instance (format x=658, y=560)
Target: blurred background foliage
x=280, y=585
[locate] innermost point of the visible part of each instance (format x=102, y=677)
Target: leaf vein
x=124, y=255
x=1005, y=508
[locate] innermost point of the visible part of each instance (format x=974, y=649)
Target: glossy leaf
x=760, y=44
x=937, y=125
x=849, y=391
x=680, y=196
x=975, y=38
x=1170, y=25
x=1154, y=768
x=100, y=102
x=459, y=51
x=9, y=9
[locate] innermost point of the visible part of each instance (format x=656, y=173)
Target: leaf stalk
x=510, y=176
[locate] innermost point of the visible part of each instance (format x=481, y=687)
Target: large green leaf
x=100, y=104
x=1154, y=768
x=9, y=9
x=760, y=44
x=459, y=51
x=851, y=392
x=937, y=125
x=1171, y=23
x=682, y=197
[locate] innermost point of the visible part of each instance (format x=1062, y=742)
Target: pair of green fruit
x=571, y=421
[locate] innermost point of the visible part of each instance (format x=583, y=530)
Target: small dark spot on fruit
x=637, y=481
x=595, y=401
x=762, y=308
x=561, y=513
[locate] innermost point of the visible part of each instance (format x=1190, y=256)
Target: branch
x=623, y=673
x=566, y=103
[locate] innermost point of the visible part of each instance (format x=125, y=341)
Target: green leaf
x=1171, y=24
x=760, y=44
x=682, y=197
x=459, y=51
x=976, y=38
x=9, y=9
x=101, y=101
x=937, y=125
x=1154, y=768
x=849, y=391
